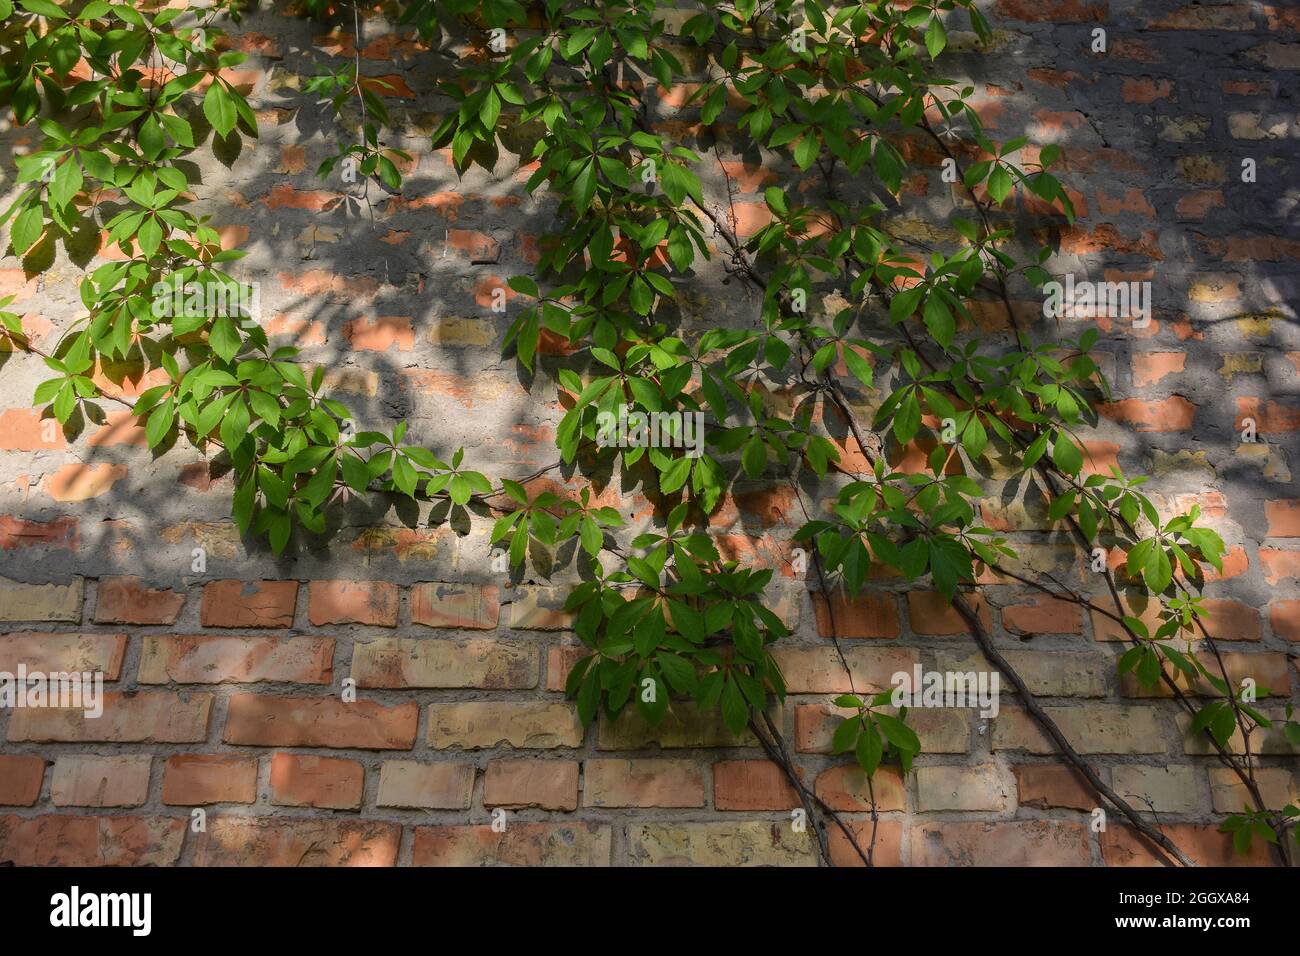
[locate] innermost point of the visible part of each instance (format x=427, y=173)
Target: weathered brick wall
x=225, y=684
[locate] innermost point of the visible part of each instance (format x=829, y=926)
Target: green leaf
x=754, y=457
x=870, y=749
x=936, y=37
x=219, y=109
x=67, y=182
x=807, y=150
x=735, y=712
x=857, y=365
x=1066, y=455
x=460, y=491
x=846, y=735
x=234, y=427
x=1157, y=570
x=902, y=305
x=42, y=8
x=898, y=733
x=27, y=229
x=160, y=422
x=939, y=320
x=1000, y=184
x=224, y=337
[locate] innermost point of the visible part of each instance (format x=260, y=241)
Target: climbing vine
x=841, y=96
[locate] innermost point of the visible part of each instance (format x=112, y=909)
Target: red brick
x=264, y=721
x=1006, y=843
x=244, y=841
x=1279, y=565
x=1099, y=457
x=1054, y=785
x=888, y=849
x=24, y=429
x=1043, y=615
x=1052, y=11
x=1151, y=367
x=88, y=780
x=750, y=217
x=560, y=659
x=821, y=670
x=1269, y=670
x=65, y=840
x=19, y=533
x=353, y=602
x=771, y=506
x=1281, y=18
x=199, y=779
x=121, y=428
x=845, y=788
x=249, y=603
x=1106, y=238
x=1122, y=846
x=437, y=786
x=752, y=785
x=284, y=196
x=610, y=782
x=1215, y=288
x=145, y=717
x=328, y=783
x=749, y=177
x=1145, y=89
x=16, y=283
x=1235, y=563
x=1230, y=620
x=486, y=288
x=548, y=784
x=381, y=333
x=1166, y=415
x=63, y=653
x=477, y=247
x=1133, y=201
x=866, y=615
x=217, y=659
x=520, y=844
x=1061, y=79
x=20, y=780
x=1197, y=204
x=932, y=613
x=1195, y=17
x=1283, y=518
x=1254, y=249
x=1268, y=416
x=78, y=481
x=1285, y=619
x=126, y=600
x=1246, y=87
x=424, y=662
x=460, y=606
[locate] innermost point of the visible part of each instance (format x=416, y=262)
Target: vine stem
x=1247, y=772
x=869, y=858
x=1151, y=833
x=777, y=752
x=778, y=756
x=1031, y=704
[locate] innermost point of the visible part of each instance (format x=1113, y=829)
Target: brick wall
x=226, y=685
